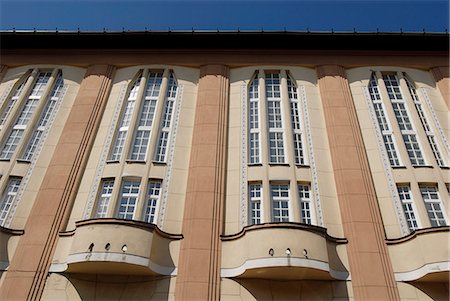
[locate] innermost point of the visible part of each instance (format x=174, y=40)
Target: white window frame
x=404, y=120
x=276, y=137
x=46, y=115
x=167, y=120
x=383, y=122
x=296, y=120
x=104, y=198
x=128, y=199
x=255, y=204
x=10, y=104
x=151, y=209
x=424, y=120
x=306, y=203
x=434, y=207
x=278, y=210
x=409, y=207
x=125, y=120
x=11, y=143
x=141, y=140
x=254, y=121
x=8, y=198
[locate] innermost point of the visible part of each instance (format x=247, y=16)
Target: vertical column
x=198, y=275
x=370, y=266
x=29, y=266
x=441, y=76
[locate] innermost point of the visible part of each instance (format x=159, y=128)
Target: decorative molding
x=312, y=161
x=436, y=120
x=34, y=159
x=287, y=262
x=386, y=166
x=243, y=169
x=171, y=153
x=417, y=233
x=102, y=162
x=122, y=222
x=436, y=267
x=321, y=231
x=113, y=257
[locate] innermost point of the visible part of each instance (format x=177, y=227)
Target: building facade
x=204, y=166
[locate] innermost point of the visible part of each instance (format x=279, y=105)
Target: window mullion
x=423, y=119
x=404, y=120
x=263, y=122
x=168, y=111
x=130, y=136
x=40, y=105
x=13, y=104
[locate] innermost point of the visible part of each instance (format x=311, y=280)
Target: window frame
x=281, y=199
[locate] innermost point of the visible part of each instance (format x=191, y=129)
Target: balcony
x=285, y=251
x=8, y=241
x=119, y=247
x=422, y=256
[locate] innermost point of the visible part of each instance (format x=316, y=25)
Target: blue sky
x=315, y=15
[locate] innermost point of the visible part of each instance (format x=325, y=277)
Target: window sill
x=5, y=160
x=254, y=164
x=302, y=165
x=135, y=162
x=422, y=166
x=23, y=161
x=444, y=167
x=279, y=164
x=398, y=167
x=112, y=161
x=158, y=163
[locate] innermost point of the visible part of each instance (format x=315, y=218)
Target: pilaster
x=370, y=267
x=198, y=275
x=26, y=275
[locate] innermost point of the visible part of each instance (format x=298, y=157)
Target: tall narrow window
x=383, y=123
x=24, y=117
x=128, y=199
x=274, y=118
x=255, y=203
x=304, y=195
x=403, y=120
x=280, y=203
x=253, y=121
x=151, y=205
x=104, y=198
x=124, y=124
x=44, y=119
x=11, y=102
x=296, y=121
x=433, y=205
x=146, y=115
x=167, y=119
x=404, y=194
x=8, y=198
x=423, y=119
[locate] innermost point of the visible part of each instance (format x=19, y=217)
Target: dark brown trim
x=414, y=234
x=296, y=226
x=122, y=222
x=11, y=231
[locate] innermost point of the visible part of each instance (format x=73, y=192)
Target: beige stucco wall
x=72, y=78
x=111, y=288
x=186, y=77
x=289, y=173
x=358, y=79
